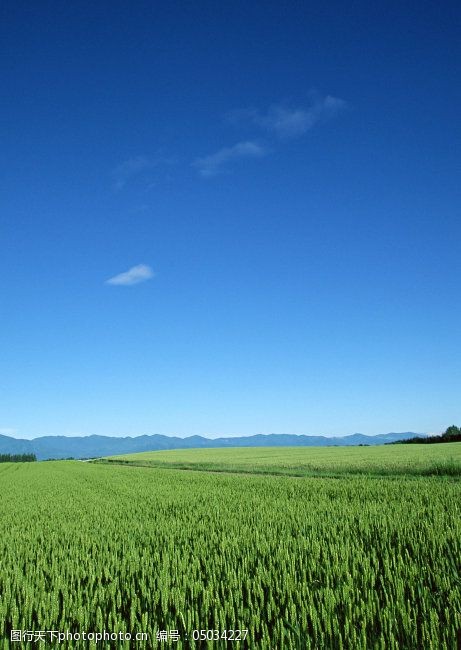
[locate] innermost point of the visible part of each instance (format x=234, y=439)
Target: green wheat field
x=352, y=548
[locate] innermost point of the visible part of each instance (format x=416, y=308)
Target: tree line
x=452, y=434
x=17, y=458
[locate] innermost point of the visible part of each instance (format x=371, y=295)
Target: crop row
x=312, y=563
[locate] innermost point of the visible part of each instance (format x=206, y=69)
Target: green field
x=381, y=460
x=363, y=561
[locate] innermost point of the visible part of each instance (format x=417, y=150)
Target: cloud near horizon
x=285, y=122
x=7, y=431
x=213, y=164
x=135, y=275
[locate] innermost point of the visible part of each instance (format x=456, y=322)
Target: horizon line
x=218, y=437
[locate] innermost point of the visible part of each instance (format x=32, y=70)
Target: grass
x=367, y=563
x=388, y=460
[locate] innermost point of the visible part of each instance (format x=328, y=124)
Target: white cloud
x=135, y=275
x=287, y=122
x=7, y=431
x=213, y=164
x=129, y=169
x=139, y=168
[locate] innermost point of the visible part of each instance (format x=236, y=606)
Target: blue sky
x=229, y=218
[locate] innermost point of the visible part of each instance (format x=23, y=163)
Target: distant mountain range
x=48, y=447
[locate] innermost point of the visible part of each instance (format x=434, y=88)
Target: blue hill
x=48, y=447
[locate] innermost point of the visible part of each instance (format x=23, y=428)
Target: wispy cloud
x=7, y=431
x=285, y=122
x=139, y=168
x=135, y=275
x=129, y=169
x=214, y=163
